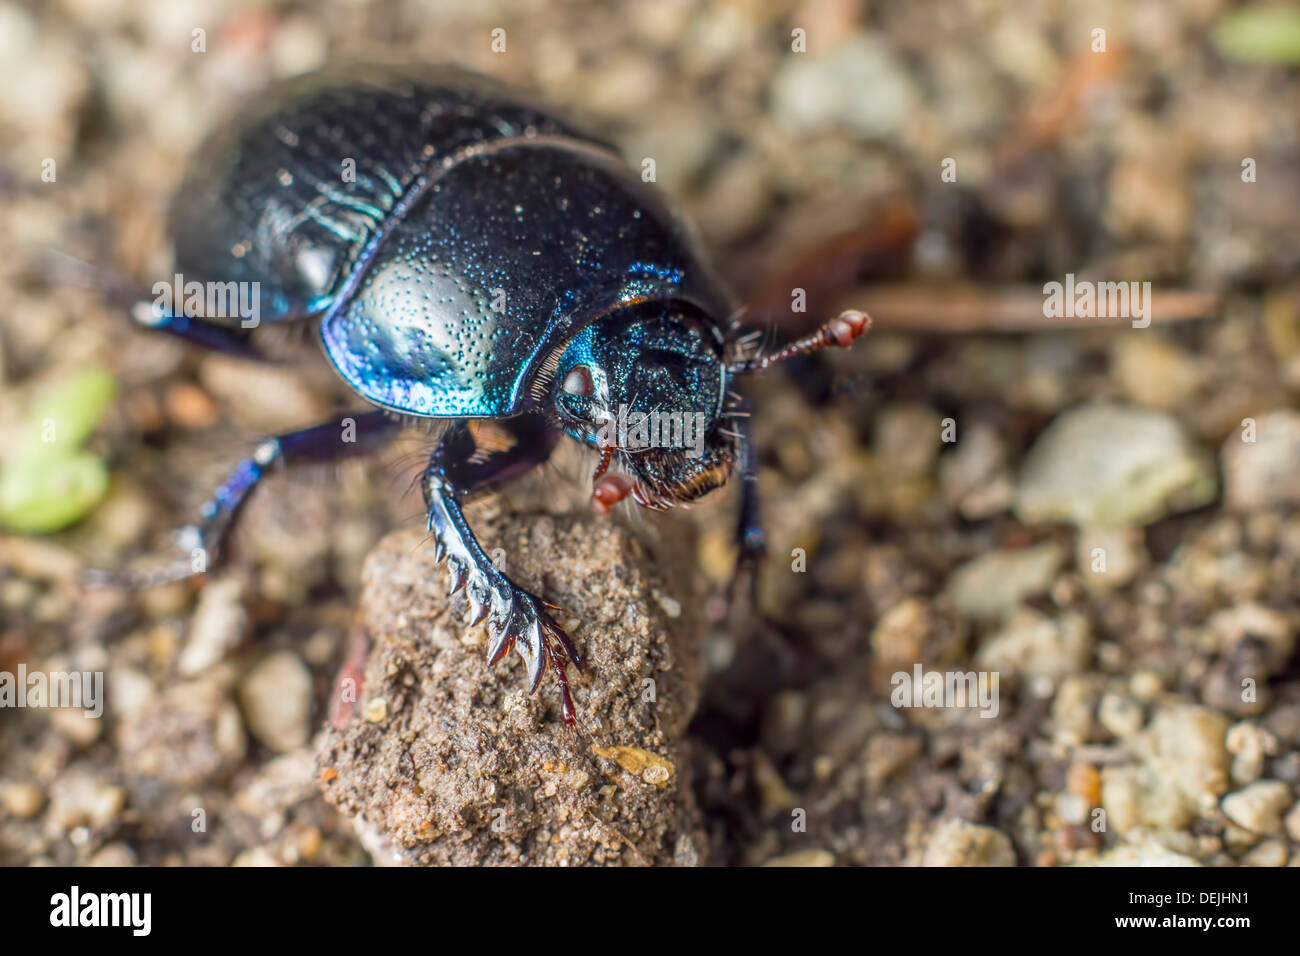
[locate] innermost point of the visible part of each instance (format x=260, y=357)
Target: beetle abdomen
x=293, y=190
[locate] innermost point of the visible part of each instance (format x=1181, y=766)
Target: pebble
x=804, y=858
x=78, y=800
x=1292, y=823
x=77, y=726
x=1259, y=807
x=974, y=476
x=1038, y=646
x=262, y=398
x=1268, y=853
x=1109, y=558
x=220, y=624
x=1155, y=373
x=1182, y=768
x=276, y=699
x=907, y=438
x=1111, y=465
x=1145, y=685
x=115, y=854
x=1232, y=625
x=1120, y=714
x=992, y=585
x=22, y=800
x=1073, y=709
x=812, y=93
x=1264, y=473
x=898, y=640
x=960, y=843
x=1147, y=853
x=1249, y=744
x=1071, y=808
x=1084, y=780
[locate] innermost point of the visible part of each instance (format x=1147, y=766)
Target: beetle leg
x=61, y=268
x=749, y=526
x=517, y=619
x=348, y=435
x=201, y=332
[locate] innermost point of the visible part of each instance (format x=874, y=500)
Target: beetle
x=465, y=254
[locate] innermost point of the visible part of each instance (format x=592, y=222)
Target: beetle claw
x=523, y=622
x=478, y=600
x=458, y=574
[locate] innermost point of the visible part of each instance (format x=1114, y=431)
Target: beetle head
x=647, y=385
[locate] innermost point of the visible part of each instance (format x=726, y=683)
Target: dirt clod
x=461, y=765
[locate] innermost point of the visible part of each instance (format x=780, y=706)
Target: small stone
x=266, y=399
x=1110, y=465
x=1085, y=780
x=1232, y=625
x=974, y=476
x=376, y=710
x=960, y=843
x=1149, y=197
x=1141, y=854
x=1120, y=714
x=1109, y=558
x=1121, y=796
x=219, y=624
x=1182, y=769
x=1268, y=853
x=1073, y=709
x=1263, y=473
x=187, y=734
x=76, y=725
x=1259, y=807
x=1071, y=808
x=1145, y=685
x=992, y=585
x=21, y=800
x=804, y=858
x=276, y=699
x=1292, y=823
x=190, y=407
x=907, y=439
x=1249, y=744
x=80, y=800
x=115, y=854
x=1156, y=373
x=1036, y=645
x=672, y=607
x=812, y=93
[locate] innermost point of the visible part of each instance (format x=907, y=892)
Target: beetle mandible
x=481, y=258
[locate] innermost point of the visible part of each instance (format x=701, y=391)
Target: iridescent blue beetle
x=467, y=255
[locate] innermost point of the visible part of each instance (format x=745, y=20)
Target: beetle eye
x=578, y=382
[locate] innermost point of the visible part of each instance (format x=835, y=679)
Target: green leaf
x=42, y=495
x=64, y=414
x=1260, y=35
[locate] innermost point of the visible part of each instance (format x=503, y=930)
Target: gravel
x=1110, y=524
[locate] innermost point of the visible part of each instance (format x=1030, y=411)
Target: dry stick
x=908, y=307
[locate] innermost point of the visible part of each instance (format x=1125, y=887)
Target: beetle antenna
x=839, y=331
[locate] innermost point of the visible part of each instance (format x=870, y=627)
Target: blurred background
x=1105, y=515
